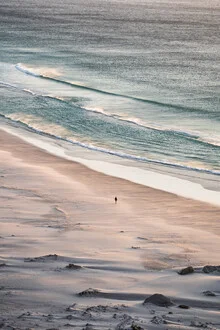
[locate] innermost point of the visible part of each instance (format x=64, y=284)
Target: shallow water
x=136, y=80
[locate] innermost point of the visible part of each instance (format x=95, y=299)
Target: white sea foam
x=209, y=139
x=38, y=71
x=145, y=177
x=25, y=69
x=29, y=91
x=39, y=125
x=59, y=98
x=52, y=73
x=17, y=87
x=149, y=125
x=98, y=110
x=7, y=84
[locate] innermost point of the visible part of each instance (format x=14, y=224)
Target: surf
x=24, y=69
x=28, y=124
x=195, y=136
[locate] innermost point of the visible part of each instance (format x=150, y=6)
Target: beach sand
x=56, y=215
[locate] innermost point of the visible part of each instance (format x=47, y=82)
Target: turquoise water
x=134, y=79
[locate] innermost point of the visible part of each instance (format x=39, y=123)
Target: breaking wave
x=37, y=73
x=196, y=136
x=35, y=124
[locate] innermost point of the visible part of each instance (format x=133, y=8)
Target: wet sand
x=65, y=214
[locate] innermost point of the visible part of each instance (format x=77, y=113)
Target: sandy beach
x=61, y=233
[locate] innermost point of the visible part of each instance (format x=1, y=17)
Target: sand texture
x=72, y=258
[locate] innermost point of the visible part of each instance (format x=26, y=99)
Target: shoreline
x=137, y=198
x=171, y=182
x=56, y=213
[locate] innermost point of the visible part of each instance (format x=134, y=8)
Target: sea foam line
x=7, y=84
x=134, y=121
x=111, y=152
x=138, y=122
x=174, y=185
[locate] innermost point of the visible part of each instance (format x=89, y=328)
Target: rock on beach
x=186, y=271
x=159, y=300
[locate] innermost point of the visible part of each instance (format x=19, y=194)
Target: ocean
x=134, y=83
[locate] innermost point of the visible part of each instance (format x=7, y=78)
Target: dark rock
x=69, y=317
x=126, y=322
x=3, y=265
x=50, y=256
x=209, y=294
x=142, y=238
x=68, y=325
x=105, y=308
x=136, y=327
x=183, y=306
x=158, y=320
x=86, y=315
x=71, y=308
x=73, y=266
x=89, y=293
x=210, y=269
x=198, y=324
x=187, y=270
x=88, y=327
x=159, y=300
x=30, y=260
x=24, y=315
x=135, y=247
x=42, y=258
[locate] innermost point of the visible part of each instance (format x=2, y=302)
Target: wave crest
x=41, y=73
x=38, y=72
x=35, y=124
x=196, y=136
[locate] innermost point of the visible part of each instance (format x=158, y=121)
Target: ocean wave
x=28, y=123
x=28, y=91
x=38, y=124
x=23, y=69
x=5, y=84
x=38, y=72
x=196, y=136
x=152, y=126
x=33, y=72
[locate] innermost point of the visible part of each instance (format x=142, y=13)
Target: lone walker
x=116, y=199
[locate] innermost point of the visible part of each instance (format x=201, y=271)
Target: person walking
x=116, y=199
